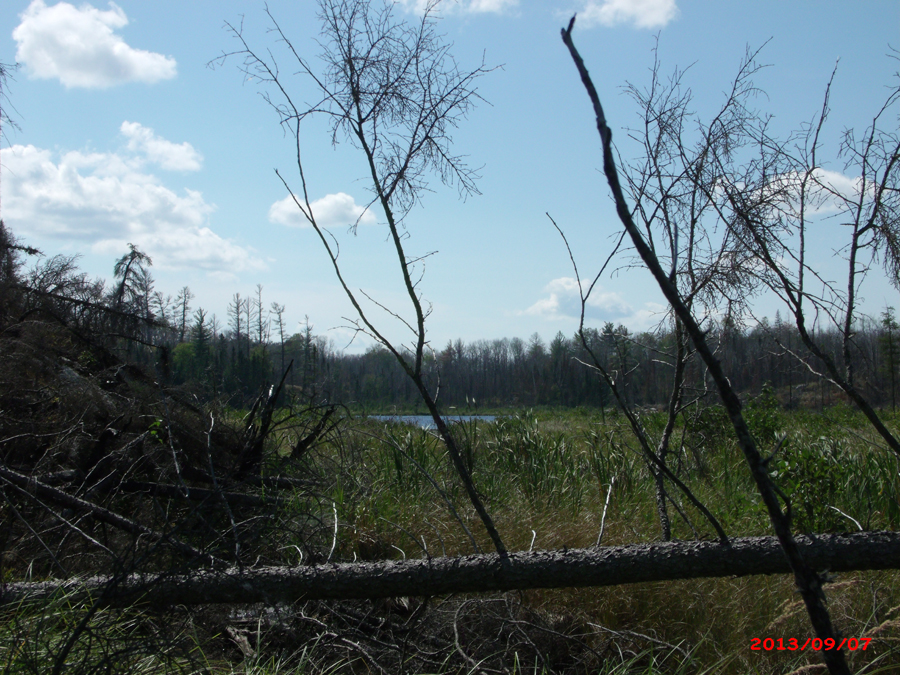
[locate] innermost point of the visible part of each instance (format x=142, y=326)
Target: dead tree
x=427, y=576
x=808, y=580
x=770, y=207
x=393, y=90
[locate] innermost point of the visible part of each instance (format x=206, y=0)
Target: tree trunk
x=605, y=566
x=809, y=583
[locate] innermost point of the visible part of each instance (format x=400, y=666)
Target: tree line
x=515, y=372
x=251, y=349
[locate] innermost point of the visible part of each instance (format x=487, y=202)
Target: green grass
x=535, y=469
x=545, y=476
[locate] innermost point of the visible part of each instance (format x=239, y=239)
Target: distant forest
x=234, y=359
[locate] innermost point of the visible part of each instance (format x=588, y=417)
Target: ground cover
x=547, y=478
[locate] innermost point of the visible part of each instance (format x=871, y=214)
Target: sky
x=127, y=134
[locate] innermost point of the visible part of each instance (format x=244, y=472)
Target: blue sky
x=127, y=136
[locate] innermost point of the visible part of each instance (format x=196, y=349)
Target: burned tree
x=808, y=581
x=394, y=91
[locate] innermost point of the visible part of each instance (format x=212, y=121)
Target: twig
x=468, y=659
x=218, y=490
x=622, y=633
x=855, y=521
x=334, y=539
x=408, y=534
x=36, y=535
x=98, y=512
x=605, y=506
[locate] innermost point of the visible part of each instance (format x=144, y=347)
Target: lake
x=425, y=421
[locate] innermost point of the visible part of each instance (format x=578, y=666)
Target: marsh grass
x=545, y=477
x=60, y=635
x=552, y=474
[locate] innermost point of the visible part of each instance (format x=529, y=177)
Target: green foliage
x=812, y=473
x=710, y=426
x=412, y=451
x=37, y=638
x=545, y=475
x=156, y=431
x=184, y=361
x=609, y=460
x=544, y=465
x=872, y=489
x=763, y=417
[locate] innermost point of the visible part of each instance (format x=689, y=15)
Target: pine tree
x=890, y=349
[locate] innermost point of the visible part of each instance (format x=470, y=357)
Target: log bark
x=605, y=566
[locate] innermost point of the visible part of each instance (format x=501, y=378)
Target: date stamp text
x=816, y=644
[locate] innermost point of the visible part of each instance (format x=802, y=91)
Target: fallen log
x=605, y=566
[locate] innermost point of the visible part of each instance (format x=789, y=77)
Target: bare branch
x=808, y=581
x=393, y=90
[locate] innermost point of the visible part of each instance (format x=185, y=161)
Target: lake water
x=425, y=421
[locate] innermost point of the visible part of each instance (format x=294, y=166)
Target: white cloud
x=193, y=247
x=78, y=46
x=168, y=155
x=335, y=210
x=564, y=301
x=465, y=6
x=106, y=201
x=639, y=13
x=845, y=185
x=494, y=6
x=827, y=192
x=834, y=188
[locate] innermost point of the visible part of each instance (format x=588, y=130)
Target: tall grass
x=545, y=477
x=555, y=472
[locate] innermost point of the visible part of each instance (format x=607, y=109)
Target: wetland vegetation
x=143, y=441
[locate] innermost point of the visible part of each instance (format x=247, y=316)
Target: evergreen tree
x=890, y=349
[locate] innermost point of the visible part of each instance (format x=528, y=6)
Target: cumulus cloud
x=173, y=246
x=168, y=155
x=831, y=191
x=840, y=183
x=464, y=6
x=827, y=192
x=335, y=210
x=105, y=200
x=639, y=13
x=78, y=46
x=563, y=301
